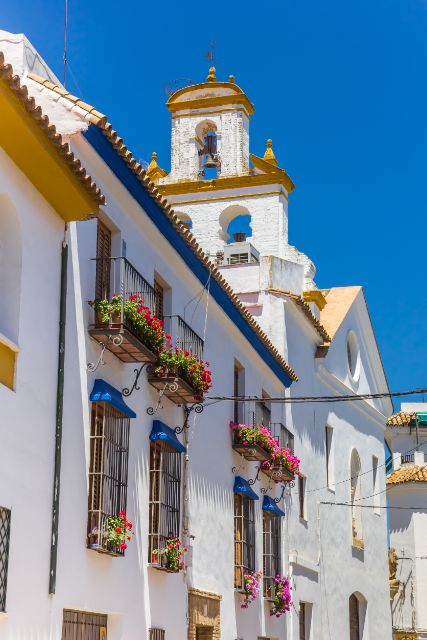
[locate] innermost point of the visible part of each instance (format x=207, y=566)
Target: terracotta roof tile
x=414, y=473
x=400, y=419
x=21, y=92
x=123, y=151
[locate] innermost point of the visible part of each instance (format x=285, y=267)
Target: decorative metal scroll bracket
x=253, y=480
x=169, y=386
x=126, y=391
x=236, y=470
x=197, y=408
x=116, y=340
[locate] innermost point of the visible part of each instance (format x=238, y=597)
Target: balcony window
x=4, y=554
x=165, y=490
x=244, y=531
x=271, y=552
x=108, y=468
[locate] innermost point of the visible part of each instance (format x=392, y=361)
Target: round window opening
x=353, y=356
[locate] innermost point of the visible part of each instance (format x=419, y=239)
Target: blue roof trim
x=163, y=433
x=104, y=392
x=270, y=506
x=115, y=162
x=244, y=488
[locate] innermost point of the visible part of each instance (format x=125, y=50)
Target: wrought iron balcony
x=183, y=335
x=407, y=458
x=118, y=277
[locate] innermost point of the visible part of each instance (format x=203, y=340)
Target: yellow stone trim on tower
x=211, y=75
x=233, y=182
x=315, y=296
x=153, y=170
x=240, y=196
x=269, y=153
x=207, y=109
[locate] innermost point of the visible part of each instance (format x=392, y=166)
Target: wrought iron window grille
x=271, y=527
x=4, y=554
x=108, y=473
x=156, y=634
x=164, y=498
x=244, y=539
x=81, y=625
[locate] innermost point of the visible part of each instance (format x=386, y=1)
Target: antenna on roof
x=210, y=55
x=65, y=41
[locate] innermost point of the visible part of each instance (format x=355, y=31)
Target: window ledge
x=3, y=615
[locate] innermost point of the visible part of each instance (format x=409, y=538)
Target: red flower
x=118, y=530
x=122, y=514
x=123, y=546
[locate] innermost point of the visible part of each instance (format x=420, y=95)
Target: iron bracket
x=197, y=408
x=116, y=340
x=126, y=391
x=253, y=480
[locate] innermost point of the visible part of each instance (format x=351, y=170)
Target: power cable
x=371, y=506
x=304, y=399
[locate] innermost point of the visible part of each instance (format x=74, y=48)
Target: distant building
x=407, y=498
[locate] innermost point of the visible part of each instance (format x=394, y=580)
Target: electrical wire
x=371, y=506
x=304, y=399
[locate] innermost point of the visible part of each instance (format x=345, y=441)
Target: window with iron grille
x=286, y=438
x=103, y=264
x=301, y=497
x=244, y=538
x=156, y=634
x=4, y=554
x=271, y=526
x=160, y=295
x=81, y=625
x=165, y=497
x=108, y=471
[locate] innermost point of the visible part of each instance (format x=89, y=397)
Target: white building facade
x=173, y=470
x=407, y=497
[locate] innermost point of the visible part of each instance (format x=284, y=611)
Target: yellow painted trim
x=315, y=296
x=212, y=101
x=208, y=111
x=220, y=184
x=7, y=365
x=241, y=196
x=266, y=167
x=31, y=150
x=173, y=103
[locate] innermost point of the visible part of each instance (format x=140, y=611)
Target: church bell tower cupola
x=210, y=130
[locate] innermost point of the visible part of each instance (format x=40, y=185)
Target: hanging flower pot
x=170, y=558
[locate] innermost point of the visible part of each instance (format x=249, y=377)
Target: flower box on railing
x=250, y=447
x=174, y=388
x=277, y=472
x=108, y=550
x=128, y=328
x=169, y=559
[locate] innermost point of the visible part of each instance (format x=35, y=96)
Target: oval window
x=353, y=356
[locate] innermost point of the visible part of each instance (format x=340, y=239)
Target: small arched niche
x=10, y=268
x=235, y=219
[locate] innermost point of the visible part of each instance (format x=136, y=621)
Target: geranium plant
x=262, y=436
x=187, y=365
x=173, y=554
x=251, y=587
x=282, y=596
x=138, y=314
x=118, y=531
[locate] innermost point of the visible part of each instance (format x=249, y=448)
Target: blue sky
x=339, y=86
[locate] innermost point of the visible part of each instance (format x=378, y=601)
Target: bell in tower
x=209, y=151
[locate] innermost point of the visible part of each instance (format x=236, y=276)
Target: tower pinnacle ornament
x=269, y=153
x=212, y=75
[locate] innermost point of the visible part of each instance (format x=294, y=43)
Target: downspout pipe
x=59, y=413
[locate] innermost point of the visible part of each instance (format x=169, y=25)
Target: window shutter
x=103, y=255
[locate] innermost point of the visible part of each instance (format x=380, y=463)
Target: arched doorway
x=354, y=622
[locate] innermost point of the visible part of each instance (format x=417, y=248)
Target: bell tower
x=225, y=194
x=210, y=130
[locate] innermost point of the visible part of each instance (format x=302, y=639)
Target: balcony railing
x=184, y=336
x=117, y=276
x=407, y=457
